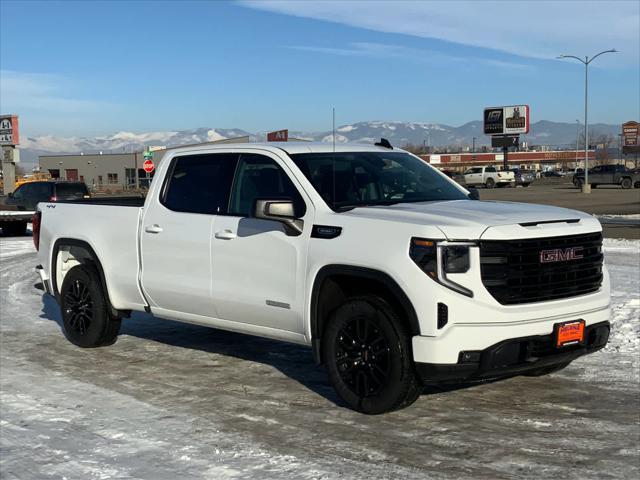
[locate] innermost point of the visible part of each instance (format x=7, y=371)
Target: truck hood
x=473, y=219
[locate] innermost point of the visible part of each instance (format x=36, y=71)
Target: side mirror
x=10, y=195
x=474, y=194
x=280, y=211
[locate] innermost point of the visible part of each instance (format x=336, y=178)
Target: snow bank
x=622, y=258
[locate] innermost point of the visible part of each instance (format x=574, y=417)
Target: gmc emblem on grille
x=560, y=255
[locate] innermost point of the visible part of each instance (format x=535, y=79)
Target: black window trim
x=174, y=160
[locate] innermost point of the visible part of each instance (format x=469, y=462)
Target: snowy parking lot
x=176, y=401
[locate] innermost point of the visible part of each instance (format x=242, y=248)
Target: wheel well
x=335, y=284
x=69, y=252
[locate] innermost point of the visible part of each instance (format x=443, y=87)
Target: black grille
x=513, y=273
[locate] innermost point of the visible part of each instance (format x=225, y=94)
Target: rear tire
x=367, y=352
x=86, y=319
x=626, y=183
x=490, y=183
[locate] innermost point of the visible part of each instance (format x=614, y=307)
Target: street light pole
x=586, y=188
x=577, y=140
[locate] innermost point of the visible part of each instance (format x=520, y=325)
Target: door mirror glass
x=474, y=194
x=280, y=211
x=10, y=195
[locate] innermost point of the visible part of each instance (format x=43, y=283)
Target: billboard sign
x=9, y=134
x=503, y=141
x=493, y=121
x=630, y=132
x=510, y=120
x=278, y=136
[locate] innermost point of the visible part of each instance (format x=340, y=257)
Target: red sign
x=9, y=134
x=148, y=166
x=630, y=133
x=278, y=136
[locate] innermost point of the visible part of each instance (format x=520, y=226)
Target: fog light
x=472, y=356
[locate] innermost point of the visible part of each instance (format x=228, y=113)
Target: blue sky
x=95, y=68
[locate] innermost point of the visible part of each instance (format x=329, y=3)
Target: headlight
x=436, y=259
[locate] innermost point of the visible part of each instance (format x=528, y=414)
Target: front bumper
x=513, y=357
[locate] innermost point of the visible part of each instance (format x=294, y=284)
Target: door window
x=490, y=170
x=41, y=192
x=259, y=177
x=200, y=183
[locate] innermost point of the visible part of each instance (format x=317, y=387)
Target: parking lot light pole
x=586, y=188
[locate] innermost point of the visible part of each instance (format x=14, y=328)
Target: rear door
x=473, y=176
x=176, y=237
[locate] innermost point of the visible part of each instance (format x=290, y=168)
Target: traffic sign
x=148, y=166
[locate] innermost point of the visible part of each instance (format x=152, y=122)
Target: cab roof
x=291, y=147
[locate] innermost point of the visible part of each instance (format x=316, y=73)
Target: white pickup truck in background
x=390, y=271
x=489, y=177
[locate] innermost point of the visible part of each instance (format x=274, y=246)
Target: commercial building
x=526, y=160
x=110, y=171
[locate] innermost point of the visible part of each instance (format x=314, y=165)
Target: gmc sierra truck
x=395, y=275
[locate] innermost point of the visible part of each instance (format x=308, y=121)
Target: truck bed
x=110, y=201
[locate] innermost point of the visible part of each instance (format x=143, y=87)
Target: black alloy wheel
x=86, y=317
x=362, y=357
x=79, y=307
x=366, y=348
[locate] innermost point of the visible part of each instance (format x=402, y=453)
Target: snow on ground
x=171, y=400
x=622, y=257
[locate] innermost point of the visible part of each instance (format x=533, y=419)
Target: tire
x=14, y=229
x=594, y=185
x=490, y=183
x=546, y=370
x=86, y=319
x=636, y=185
x=626, y=183
x=525, y=185
x=368, y=384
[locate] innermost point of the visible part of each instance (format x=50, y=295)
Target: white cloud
x=380, y=50
x=22, y=91
x=537, y=29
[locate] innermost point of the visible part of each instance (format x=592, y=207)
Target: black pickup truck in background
x=609, y=175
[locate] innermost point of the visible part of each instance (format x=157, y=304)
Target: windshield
x=350, y=179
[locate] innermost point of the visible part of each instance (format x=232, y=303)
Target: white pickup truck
x=489, y=177
x=393, y=273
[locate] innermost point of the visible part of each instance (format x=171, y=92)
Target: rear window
x=70, y=190
x=200, y=183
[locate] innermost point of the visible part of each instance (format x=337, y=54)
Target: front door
x=176, y=237
x=258, y=266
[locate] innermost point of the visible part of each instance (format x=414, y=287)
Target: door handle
x=225, y=235
x=155, y=228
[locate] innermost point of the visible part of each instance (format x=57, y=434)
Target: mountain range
x=553, y=134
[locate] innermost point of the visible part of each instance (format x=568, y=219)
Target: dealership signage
x=630, y=135
x=511, y=120
x=9, y=130
x=278, y=136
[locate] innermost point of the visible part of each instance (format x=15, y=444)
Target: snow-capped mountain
x=397, y=132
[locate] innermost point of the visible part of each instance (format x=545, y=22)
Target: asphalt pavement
x=606, y=200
